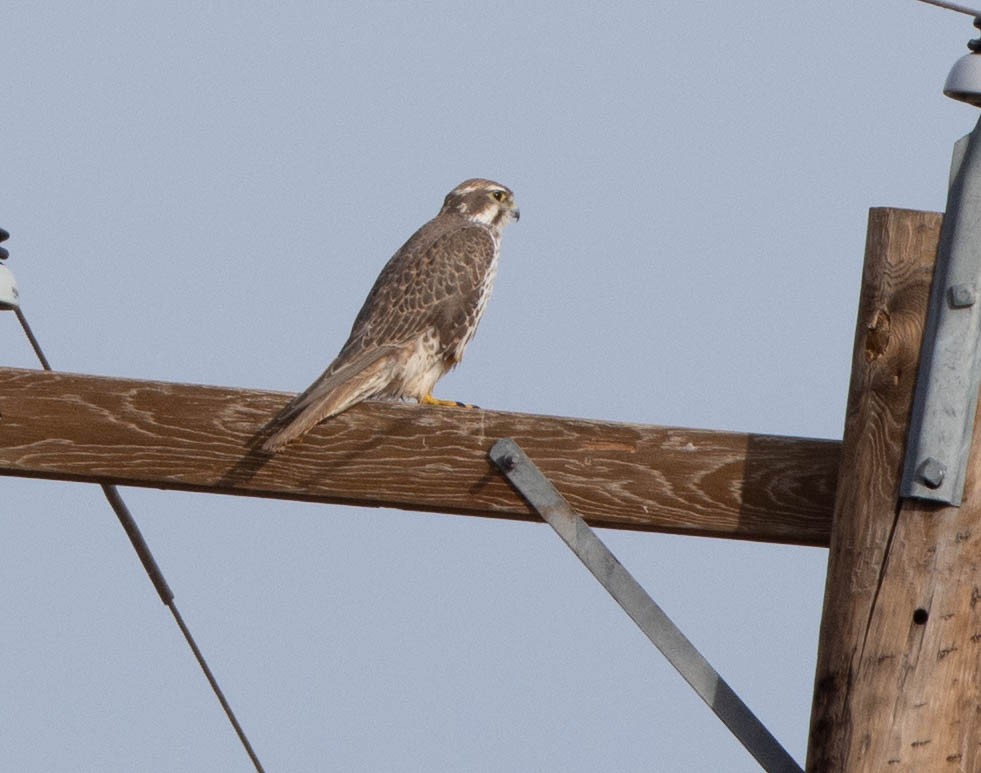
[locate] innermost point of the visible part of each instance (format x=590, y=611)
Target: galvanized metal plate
x=945, y=402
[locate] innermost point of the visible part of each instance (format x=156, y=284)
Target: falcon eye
x=498, y=195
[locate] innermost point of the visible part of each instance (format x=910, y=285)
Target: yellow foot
x=430, y=400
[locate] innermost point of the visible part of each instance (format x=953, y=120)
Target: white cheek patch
x=486, y=216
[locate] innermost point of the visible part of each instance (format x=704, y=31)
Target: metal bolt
x=963, y=295
x=506, y=463
x=933, y=472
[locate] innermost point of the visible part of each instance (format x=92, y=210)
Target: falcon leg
x=430, y=400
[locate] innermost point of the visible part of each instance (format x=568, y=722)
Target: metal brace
x=946, y=398
x=649, y=617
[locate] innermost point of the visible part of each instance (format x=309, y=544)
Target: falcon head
x=482, y=201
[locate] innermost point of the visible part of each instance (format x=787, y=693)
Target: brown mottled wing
x=434, y=281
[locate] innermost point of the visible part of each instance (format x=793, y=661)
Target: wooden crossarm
x=197, y=438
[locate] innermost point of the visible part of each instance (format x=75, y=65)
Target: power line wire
x=152, y=569
x=953, y=7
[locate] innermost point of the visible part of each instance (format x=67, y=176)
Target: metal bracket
x=649, y=617
x=946, y=398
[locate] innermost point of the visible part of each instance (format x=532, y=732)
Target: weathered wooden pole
x=898, y=686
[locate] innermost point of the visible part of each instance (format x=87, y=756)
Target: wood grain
x=897, y=685
x=200, y=438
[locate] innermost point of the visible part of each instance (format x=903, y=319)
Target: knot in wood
x=877, y=335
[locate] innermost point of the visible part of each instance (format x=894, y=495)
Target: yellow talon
x=430, y=400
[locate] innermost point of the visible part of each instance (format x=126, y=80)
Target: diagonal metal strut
x=650, y=618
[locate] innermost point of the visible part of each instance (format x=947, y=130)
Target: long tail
x=335, y=391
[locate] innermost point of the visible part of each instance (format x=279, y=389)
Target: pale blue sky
x=205, y=192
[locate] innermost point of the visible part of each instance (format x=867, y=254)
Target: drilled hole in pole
x=920, y=616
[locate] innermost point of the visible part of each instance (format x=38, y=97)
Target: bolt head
x=963, y=295
x=933, y=472
x=507, y=463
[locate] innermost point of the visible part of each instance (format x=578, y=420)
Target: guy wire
x=153, y=570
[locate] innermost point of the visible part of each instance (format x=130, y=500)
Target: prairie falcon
x=419, y=316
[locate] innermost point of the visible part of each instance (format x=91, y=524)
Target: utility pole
x=898, y=682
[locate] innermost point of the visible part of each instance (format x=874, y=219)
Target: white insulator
x=9, y=297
